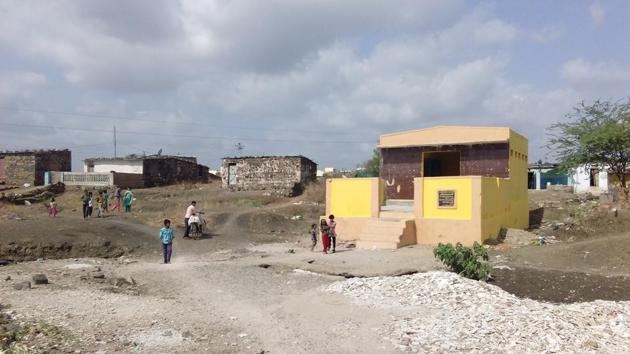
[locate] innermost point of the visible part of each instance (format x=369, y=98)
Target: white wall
x=121, y=166
x=582, y=180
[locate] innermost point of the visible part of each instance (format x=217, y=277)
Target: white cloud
x=18, y=85
x=602, y=77
x=598, y=13
x=324, y=70
x=548, y=34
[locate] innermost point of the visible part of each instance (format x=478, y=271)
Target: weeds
x=468, y=262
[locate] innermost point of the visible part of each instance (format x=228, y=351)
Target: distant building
x=543, y=174
x=590, y=179
x=21, y=167
x=281, y=175
x=153, y=170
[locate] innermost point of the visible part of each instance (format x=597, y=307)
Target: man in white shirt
x=189, y=212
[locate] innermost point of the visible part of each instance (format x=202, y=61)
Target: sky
x=320, y=78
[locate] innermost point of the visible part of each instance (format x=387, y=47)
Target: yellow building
x=442, y=184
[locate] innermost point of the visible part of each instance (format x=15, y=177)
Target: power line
x=127, y=118
x=96, y=130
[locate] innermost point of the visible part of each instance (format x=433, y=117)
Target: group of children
x=327, y=228
x=102, y=202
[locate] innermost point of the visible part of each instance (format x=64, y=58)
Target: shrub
x=468, y=262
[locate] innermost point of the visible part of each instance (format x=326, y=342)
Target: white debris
x=443, y=312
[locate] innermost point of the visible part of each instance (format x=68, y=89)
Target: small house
x=148, y=171
x=543, y=174
x=30, y=167
x=445, y=184
x=280, y=175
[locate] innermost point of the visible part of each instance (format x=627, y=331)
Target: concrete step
x=366, y=245
x=400, y=208
x=399, y=202
x=395, y=215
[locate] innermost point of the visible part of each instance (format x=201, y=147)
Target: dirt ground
x=251, y=285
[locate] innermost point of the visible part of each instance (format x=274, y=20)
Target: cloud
x=548, y=34
x=598, y=13
x=601, y=77
x=320, y=78
x=17, y=85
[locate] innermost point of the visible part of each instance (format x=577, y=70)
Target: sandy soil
x=251, y=285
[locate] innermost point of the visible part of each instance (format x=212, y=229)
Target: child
x=323, y=226
x=313, y=236
x=116, y=200
x=105, y=200
x=167, y=235
x=332, y=232
x=99, y=204
x=90, y=205
x=52, y=208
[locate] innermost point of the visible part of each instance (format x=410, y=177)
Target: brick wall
x=166, y=171
x=399, y=166
x=51, y=161
x=19, y=169
x=281, y=175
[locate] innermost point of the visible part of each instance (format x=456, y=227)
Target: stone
x=40, y=279
x=98, y=275
x=8, y=277
x=443, y=312
x=22, y=285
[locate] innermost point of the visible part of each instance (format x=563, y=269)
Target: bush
x=468, y=262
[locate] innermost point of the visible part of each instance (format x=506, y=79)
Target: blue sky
x=317, y=78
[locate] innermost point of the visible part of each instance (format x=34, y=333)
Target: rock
x=118, y=282
x=351, y=245
x=443, y=312
x=291, y=250
x=98, y=275
x=22, y=285
x=310, y=261
x=40, y=279
x=264, y=265
x=186, y=334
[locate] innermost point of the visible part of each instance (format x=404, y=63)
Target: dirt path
x=192, y=305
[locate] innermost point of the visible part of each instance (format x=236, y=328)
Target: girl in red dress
x=323, y=226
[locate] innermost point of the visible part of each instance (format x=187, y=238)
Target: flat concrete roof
x=445, y=135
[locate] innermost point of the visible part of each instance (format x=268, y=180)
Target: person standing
x=190, y=211
x=128, y=200
x=166, y=236
x=90, y=207
x=105, y=200
x=313, y=233
x=85, y=200
x=332, y=232
x=116, y=199
x=323, y=227
x=99, y=205
x=52, y=208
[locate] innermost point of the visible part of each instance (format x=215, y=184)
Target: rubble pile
x=443, y=312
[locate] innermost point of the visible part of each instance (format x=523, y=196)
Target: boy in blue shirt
x=167, y=235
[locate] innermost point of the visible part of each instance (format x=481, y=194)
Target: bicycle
x=196, y=224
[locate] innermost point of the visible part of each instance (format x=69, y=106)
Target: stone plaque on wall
x=446, y=199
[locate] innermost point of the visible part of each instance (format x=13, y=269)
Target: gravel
x=442, y=312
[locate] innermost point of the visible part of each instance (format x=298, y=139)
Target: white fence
x=85, y=179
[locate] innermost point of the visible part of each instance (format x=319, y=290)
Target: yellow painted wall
x=504, y=201
x=350, y=197
x=463, y=198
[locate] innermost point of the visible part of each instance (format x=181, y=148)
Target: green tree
x=596, y=135
x=373, y=165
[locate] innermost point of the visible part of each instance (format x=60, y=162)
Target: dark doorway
x=594, y=177
x=440, y=164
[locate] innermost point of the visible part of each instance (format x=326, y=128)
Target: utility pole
x=115, y=141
